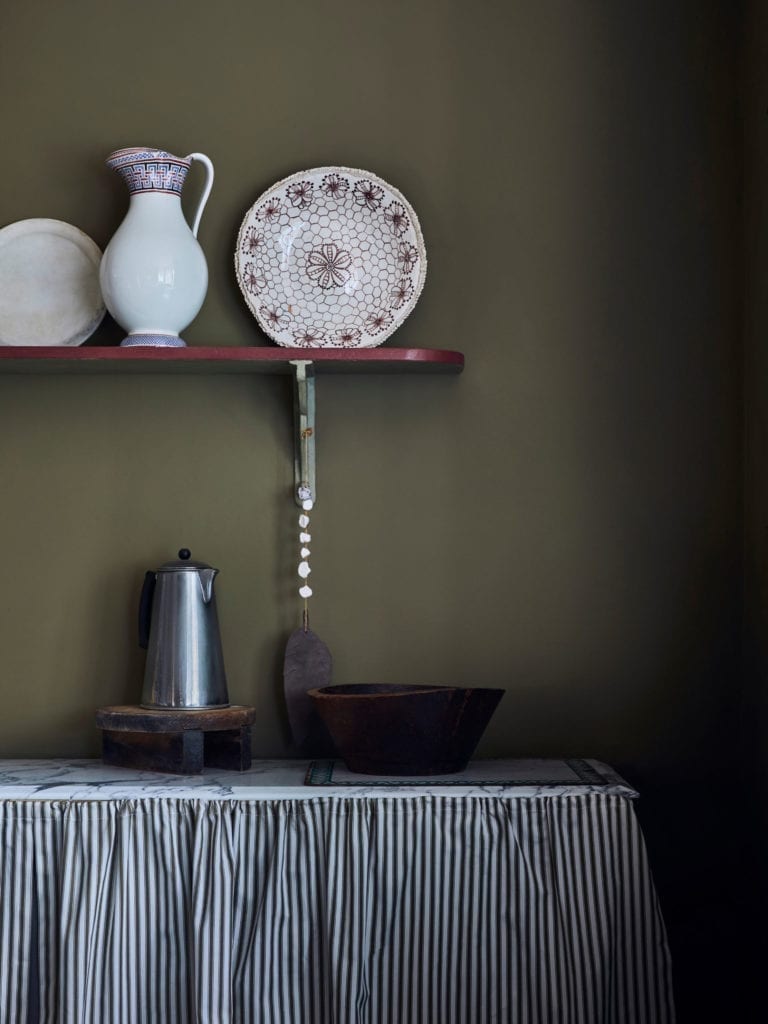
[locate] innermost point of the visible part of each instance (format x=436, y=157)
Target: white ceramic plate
x=330, y=258
x=49, y=284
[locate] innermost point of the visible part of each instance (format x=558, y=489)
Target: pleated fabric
x=420, y=910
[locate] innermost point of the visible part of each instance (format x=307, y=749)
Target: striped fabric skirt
x=421, y=910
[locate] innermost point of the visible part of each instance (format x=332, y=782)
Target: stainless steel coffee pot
x=179, y=627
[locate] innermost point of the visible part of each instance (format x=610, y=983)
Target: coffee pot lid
x=183, y=562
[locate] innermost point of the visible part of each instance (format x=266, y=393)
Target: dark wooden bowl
x=405, y=730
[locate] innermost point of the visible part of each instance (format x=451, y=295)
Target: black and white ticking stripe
x=428, y=910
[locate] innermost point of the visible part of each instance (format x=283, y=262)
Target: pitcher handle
x=203, y=159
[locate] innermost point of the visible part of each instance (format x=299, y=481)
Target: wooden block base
x=178, y=742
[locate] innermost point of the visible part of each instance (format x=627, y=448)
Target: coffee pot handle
x=145, y=608
x=203, y=159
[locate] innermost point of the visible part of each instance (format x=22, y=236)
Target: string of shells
x=305, y=538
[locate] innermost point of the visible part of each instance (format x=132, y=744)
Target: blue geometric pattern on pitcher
x=150, y=170
x=154, y=177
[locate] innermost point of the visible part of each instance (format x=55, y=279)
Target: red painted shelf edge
x=114, y=355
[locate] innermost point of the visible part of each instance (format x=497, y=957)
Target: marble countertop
x=60, y=779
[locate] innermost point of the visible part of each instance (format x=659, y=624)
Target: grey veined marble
x=55, y=779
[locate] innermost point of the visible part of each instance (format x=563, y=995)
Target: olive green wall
x=563, y=520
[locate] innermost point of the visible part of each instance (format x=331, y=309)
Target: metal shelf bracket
x=304, y=440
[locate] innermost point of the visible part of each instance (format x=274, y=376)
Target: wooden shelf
x=227, y=359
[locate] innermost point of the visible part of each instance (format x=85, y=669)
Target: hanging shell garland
x=305, y=496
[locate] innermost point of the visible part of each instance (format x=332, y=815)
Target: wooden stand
x=179, y=742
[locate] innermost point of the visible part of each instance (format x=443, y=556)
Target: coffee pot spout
x=207, y=576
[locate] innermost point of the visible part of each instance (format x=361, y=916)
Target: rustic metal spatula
x=307, y=664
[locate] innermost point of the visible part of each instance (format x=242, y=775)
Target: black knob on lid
x=185, y=553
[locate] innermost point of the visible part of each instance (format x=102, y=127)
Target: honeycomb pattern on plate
x=330, y=258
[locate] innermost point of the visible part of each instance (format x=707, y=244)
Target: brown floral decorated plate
x=330, y=258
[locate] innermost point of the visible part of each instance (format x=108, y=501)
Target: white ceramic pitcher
x=153, y=273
